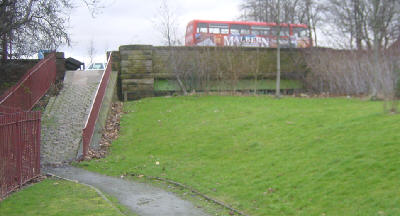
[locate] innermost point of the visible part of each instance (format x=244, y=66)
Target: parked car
x=97, y=66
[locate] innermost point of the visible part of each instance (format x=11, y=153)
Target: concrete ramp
x=65, y=116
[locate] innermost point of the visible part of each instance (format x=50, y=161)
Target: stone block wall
x=247, y=61
x=136, y=71
x=60, y=65
x=140, y=65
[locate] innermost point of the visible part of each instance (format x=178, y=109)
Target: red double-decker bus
x=246, y=34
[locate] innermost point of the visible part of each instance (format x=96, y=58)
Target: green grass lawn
x=264, y=156
x=169, y=85
x=56, y=197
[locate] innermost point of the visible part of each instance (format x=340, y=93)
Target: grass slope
x=56, y=197
x=264, y=156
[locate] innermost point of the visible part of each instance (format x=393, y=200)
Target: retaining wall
x=109, y=97
x=140, y=65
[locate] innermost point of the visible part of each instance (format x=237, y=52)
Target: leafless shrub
x=211, y=68
x=340, y=72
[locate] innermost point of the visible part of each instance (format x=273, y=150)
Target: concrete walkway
x=65, y=116
x=141, y=198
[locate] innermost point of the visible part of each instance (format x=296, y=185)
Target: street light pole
x=278, y=55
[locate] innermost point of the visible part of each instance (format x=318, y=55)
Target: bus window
x=240, y=29
x=214, y=30
x=284, y=31
x=245, y=31
x=202, y=27
x=300, y=32
x=235, y=29
x=218, y=28
x=260, y=30
x=225, y=29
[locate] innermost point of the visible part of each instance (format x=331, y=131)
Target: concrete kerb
x=180, y=185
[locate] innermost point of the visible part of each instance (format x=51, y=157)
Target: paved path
x=141, y=198
x=65, y=117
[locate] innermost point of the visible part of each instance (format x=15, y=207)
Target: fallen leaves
x=110, y=133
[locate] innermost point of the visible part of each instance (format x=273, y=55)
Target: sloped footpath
x=65, y=117
x=141, y=198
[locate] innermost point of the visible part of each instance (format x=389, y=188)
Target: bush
x=344, y=72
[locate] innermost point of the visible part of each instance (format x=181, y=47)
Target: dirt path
x=141, y=198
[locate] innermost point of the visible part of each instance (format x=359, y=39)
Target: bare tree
x=281, y=11
x=278, y=55
x=266, y=10
x=27, y=26
x=365, y=23
x=91, y=51
x=346, y=72
x=314, y=15
x=310, y=12
x=167, y=24
x=368, y=25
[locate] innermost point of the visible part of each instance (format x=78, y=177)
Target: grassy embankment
x=292, y=156
x=58, y=197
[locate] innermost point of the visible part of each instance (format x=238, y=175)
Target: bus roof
x=247, y=23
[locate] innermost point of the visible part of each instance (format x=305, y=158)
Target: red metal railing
x=87, y=132
x=31, y=87
x=19, y=149
x=6, y=109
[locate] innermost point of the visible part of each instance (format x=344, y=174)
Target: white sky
x=124, y=22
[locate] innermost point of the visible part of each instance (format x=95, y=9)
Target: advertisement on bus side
x=205, y=39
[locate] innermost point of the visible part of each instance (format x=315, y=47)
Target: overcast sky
x=124, y=22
